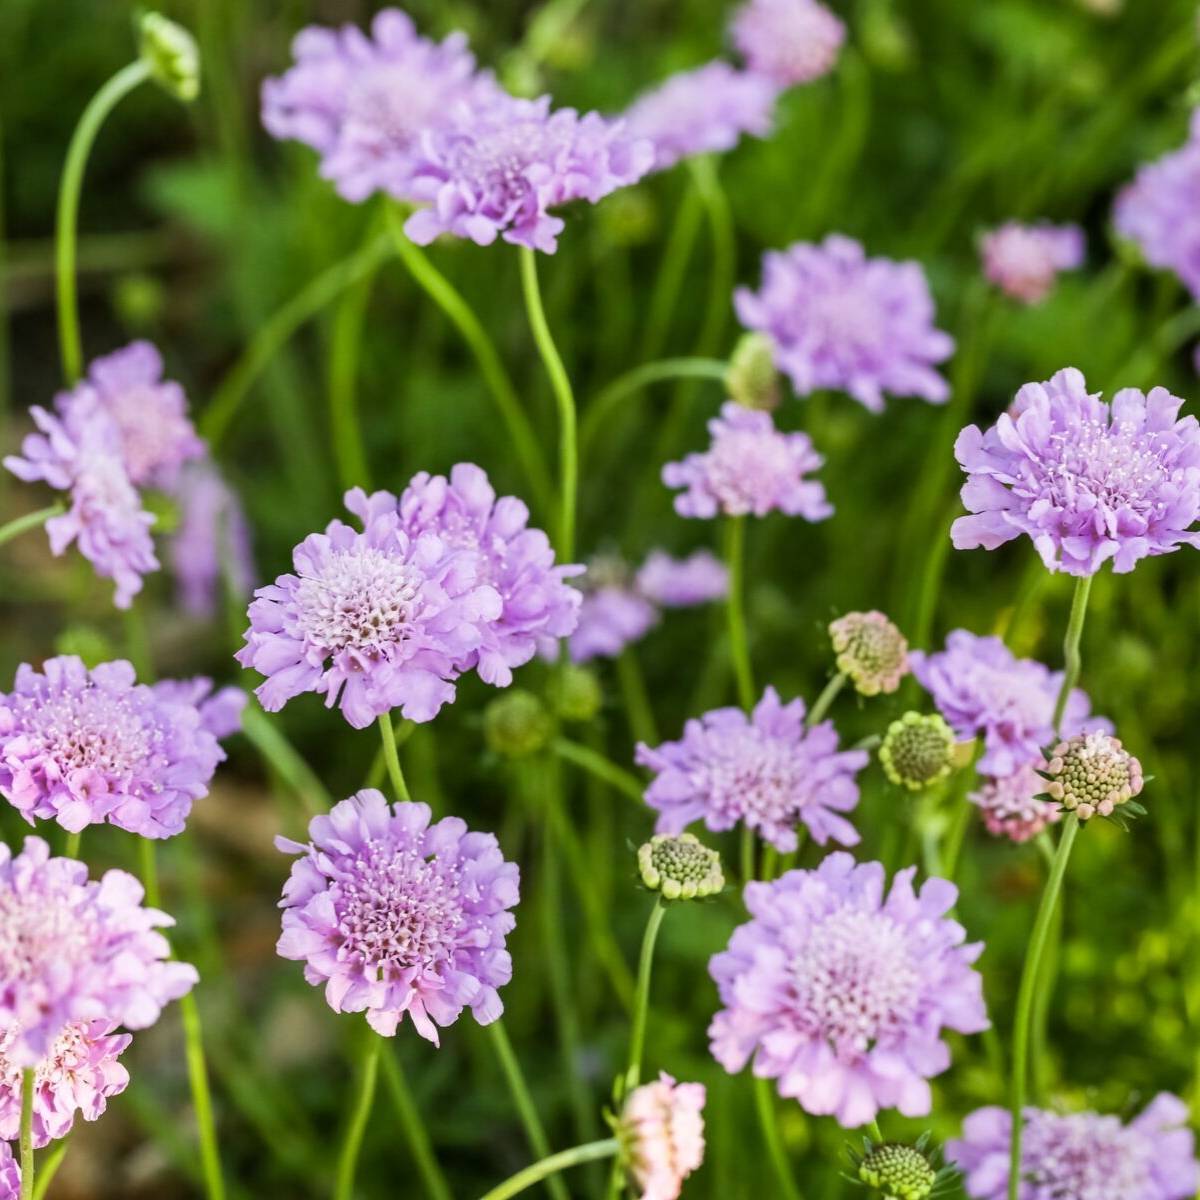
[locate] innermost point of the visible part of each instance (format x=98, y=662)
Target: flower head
x=1015, y=806
x=841, y=994
x=752, y=379
x=1023, y=261
x=680, y=866
x=661, y=1130
x=71, y=948
x=870, y=650
x=1085, y=1156
x=768, y=770
x=900, y=1172
x=917, y=750
x=81, y=747
x=373, y=620
x=841, y=320
x=172, y=55
x=395, y=915
x=788, y=41
x=750, y=468
x=516, y=724
x=683, y=582
x=1092, y=773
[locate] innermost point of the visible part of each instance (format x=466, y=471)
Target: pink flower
x=662, y=1135
x=788, y=41
x=1024, y=260
x=1016, y=806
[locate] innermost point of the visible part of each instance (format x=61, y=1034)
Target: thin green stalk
x=28, y=1078
x=409, y=1113
x=101, y=104
x=137, y=644
x=33, y=520
x=148, y=864
x=669, y=283
x=48, y=1168
x=636, y=699
x=264, y=734
x=768, y=1120
x=548, y=1167
x=392, y=757
x=596, y=764
x=356, y=1127
x=1071, y=655
x=746, y=861
x=641, y=996
x=74, y=841
x=721, y=274
x=1041, y=1007
x=197, y=1069
x=739, y=645
x=828, y=695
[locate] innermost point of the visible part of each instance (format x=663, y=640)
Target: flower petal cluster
x=788, y=41
x=671, y=582
x=661, y=1130
x=10, y=1174
x=1086, y=481
x=841, y=320
x=768, y=770
x=841, y=994
x=1023, y=261
x=611, y=617
x=396, y=915
x=1015, y=806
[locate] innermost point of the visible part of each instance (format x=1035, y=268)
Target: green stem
x=74, y=841
x=49, y=1167
x=33, y=520
x=137, y=644
x=148, y=864
x=641, y=996
x=1071, y=655
x=764, y=1102
x=197, y=1069
x=547, y=1167
x=596, y=764
x=720, y=224
x=669, y=282
x=356, y=1127
x=826, y=698
x=285, y=759
x=28, y=1078
x=636, y=698
x=101, y=104
x=409, y=1114
x=739, y=645
x=392, y=757
x=747, y=854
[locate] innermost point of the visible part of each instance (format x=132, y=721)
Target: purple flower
x=982, y=688
x=1085, y=482
x=788, y=41
x=73, y=948
x=1016, y=806
x=683, y=582
x=365, y=103
x=704, y=111
x=842, y=995
x=395, y=915
x=1023, y=261
x=373, y=621
x=10, y=1174
x=841, y=320
x=498, y=170
x=220, y=712
x=768, y=770
x=1084, y=1156
x=81, y=747
x=1160, y=211
x=538, y=606
x=611, y=617
x=78, y=1075
x=750, y=468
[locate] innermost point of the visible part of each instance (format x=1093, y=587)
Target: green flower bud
x=516, y=724
x=171, y=53
x=899, y=1172
x=680, y=867
x=752, y=379
x=918, y=750
x=579, y=695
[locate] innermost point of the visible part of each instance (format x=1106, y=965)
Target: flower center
x=496, y=164
x=69, y=1052
x=1085, y=1158
x=753, y=777
x=36, y=931
x=743, y=464
x=387, y=107
x=1108, y=466
x=150, y=436
x=851, y=317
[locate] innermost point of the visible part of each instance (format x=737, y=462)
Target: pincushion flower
x=73, y=949
x=365, y=102
x=373, y=621
x=395, y=916
x=81, y=747
x=1084, y=1156
x=537, y=605
x=1087, y=482
x=610, y=618
x=1016, y=806
x=841, y=320
x=1023, y=261
x=841, y=994
x=750, y=468
x=683, y=582
x=768, y=770
x=661, y=1130
x=788, y=41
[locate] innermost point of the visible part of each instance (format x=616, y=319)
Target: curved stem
x=550, y=1166
x=409, y=1113
x=826, y=698
x=392, y=758
x=28, y=1077
x=357, y=1126
x=764, y=1102
x=69, y=188
x=739, y=645
x=596, y=764
x=1071, y=656
x=49, y=1167
x=33, y=520
x=641, y=996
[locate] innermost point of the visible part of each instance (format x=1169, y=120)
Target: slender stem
x=50, y=1163
x=641, y=996
x=669, y=282
x=101, y=104
x=28, y=1078
x=826, y=698
x=137, y=644
x=197, y=1069
x=721, y=273
x=596, y=764
x=33, y=520
x=764, y=1102
x=409, y=1113
x=74, y=841
x=356, y=1127
x=1071, y=655
x=636, y=698
x=392, y=757
x=547, y=1167
x=148, y=864
x=266, y=737
x=739, y=645
x=747, y=854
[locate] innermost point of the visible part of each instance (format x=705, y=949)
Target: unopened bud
x=752, y=379
x=171, y=53
x=516, y=724
x=917, y=750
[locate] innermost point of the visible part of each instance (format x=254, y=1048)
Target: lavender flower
x=10, y=1174
x=1086, y=483
x=81, y=747
x=841, y=320
x=768, y=770
x=71, y=948
x=373, y=621
x=614, y=613
x=661, y=1130
x=395, y=915
x=683, y=582
x=704, y=111
x=1085, y=1156
x=750, y=468
x=1023, y=261
x=842, y=995
x=788, y=41
x=1015, y=806
x=220, y=711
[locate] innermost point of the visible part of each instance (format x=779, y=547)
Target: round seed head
x=918, y=750
x=899, y=1172
x=681, y=867
x=1092, y=774
x=871, y=651
x=516, y=724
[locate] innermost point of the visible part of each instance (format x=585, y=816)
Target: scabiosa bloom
x=373, y=621
x=501, y=168
x=683, y=582
x=704, y=111
x=614, y=614
x=81, y=747
x=71, y=948
x=1015, y=806
x=538, y=606
x=661, y=1130
x=768, y=770
x=1087, y=483
x=395, y=915
x=870, y=650
x=917, y=750
x=1092, y=773
x=680, y=866
x=365, y=103
x=841, y=994
x=788, y=41
x=1160, y=210
x=1085, y=1156
x=220, y=711
x=750, y=468
x=841, y=320
x=1023, y=261
x=981, y=687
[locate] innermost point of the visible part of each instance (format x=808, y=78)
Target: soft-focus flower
x=516, y=724
x=499, y=169
x=172, y=55
x=614, y=613
x=870, y=650
x=1092, y=773
x=1015, y=806
x=982, y=688
x=1023, y=261
x=683, y=582
x=680, y=866
x=220, y=711
x=1085, y=481
x=373, y=621
x=788, y=41
x=1083, y=1156
x=661, y=1130
x=366, y=103
x=578, y=696
x=841, y=320
x=537, y=605
x=768, y=770
x=750, y=468
x=81, y=747
x=1160, y=210
x=78, y=1075
x=395, y=915
x=842, y=995
x=917, y=750
x=72, y=948
x=10, y=1174
x=704, y=111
